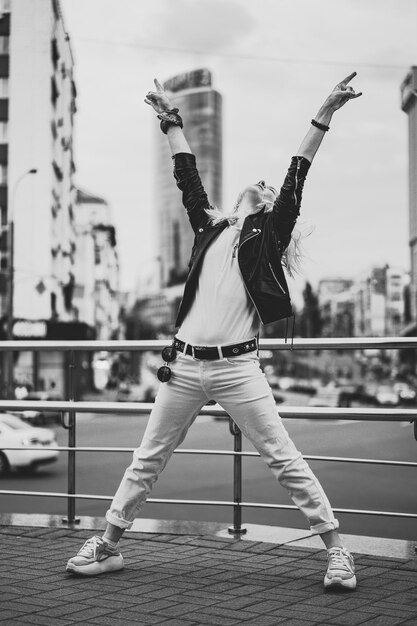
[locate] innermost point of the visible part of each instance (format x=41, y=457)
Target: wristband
x=169, y=118
x=322, y=127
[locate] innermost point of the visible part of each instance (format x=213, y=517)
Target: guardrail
x=70, y=408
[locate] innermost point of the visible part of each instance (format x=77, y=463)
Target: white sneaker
x=340, y=569
x=95, y=557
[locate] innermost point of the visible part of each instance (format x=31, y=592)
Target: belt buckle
x=197, y=350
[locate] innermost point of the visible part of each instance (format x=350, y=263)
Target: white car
x=386, y=396
x=14, y=432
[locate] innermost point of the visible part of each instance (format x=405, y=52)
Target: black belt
x=210, y=353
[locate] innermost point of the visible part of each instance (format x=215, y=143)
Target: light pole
x=10, y=247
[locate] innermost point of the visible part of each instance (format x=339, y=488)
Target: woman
x=235, y=282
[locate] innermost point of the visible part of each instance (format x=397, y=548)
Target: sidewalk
x=186, y=580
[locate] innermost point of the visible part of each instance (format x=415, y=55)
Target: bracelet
x=322, y=127
x=170, y=118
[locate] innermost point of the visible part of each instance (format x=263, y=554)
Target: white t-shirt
x=222, y=311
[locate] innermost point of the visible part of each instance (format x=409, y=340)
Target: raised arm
x=287, y=205
x=161, y=104
x=341, y=94
x=194, y=197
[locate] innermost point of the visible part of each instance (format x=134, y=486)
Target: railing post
x=237, y=529
x=71, y=519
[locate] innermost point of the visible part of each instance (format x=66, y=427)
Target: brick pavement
x=195, y=580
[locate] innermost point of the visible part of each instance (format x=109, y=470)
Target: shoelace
x=340, y=560
x=90, y=545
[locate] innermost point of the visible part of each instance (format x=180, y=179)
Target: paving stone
x=227, y=613
x=182, y=608
x=215, y=620
x=138, y=617
x=43, y=620
x=191, y=581
x=351, y=619
x=112, y=620
x=397, y=612
x=266, y=620
x=296, y=622
x=384, y=620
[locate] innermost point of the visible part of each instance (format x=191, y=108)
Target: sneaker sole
x=112, y=564
x=339, y=583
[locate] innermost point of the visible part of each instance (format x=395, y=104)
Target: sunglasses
x=164, y=373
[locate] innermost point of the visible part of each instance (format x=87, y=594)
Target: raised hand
x=342, y=93
x=158, y=99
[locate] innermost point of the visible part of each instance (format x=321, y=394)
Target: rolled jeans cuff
x=117, y=521
x=324, y=527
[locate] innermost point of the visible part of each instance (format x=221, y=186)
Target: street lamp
x=10, y=247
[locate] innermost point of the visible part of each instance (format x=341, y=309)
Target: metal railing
x=70, y=408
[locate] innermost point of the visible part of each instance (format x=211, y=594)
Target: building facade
x=334, y=296
x=37, y=78
x=409, y=106
x=96, y=270
x=200, y=106
x=372, y=305
x=37, y=194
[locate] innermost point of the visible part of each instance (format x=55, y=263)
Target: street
x=356, y=486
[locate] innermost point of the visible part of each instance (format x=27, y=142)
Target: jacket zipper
x=296, y=181
x=247, y=290
x=276, y=279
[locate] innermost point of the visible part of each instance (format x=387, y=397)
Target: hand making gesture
x=341, y=93
x=158, y=99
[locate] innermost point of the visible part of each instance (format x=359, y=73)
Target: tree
x=310, y=323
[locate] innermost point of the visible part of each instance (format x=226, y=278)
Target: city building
x=159, y=310
x=409, y=106
x=37, y=109
x=379, y=302
x=96, y=270
x=39, y=95
x=334, y=296
x=371, y=305
x=200, y=106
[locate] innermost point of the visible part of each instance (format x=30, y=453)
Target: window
x=3, y=132
x=4, y=44
x=54, y=91
x=3, y=174
x=54, y=52
x=4, y=87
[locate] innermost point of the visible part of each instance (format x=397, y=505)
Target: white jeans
x=240, y=387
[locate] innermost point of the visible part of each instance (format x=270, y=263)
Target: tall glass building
x=201, y=109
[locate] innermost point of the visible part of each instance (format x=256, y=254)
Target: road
x=357, y=486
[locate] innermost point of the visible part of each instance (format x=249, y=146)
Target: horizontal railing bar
x=140, y=408
x=215, y=453
x=339, y=343
x=253, y=505
x=263, y=505
x=84, y=496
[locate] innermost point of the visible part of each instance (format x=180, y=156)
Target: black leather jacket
x=263, y=239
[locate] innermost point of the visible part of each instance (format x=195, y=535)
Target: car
x=387, y=396
x=326, y=397
x=39, y=418
x=14, y=432
x=136, y=393
x=355, y=395
x=406, y=393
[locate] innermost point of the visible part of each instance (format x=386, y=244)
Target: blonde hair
x=292, y=256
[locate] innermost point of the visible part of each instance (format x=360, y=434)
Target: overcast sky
x=274, y=62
